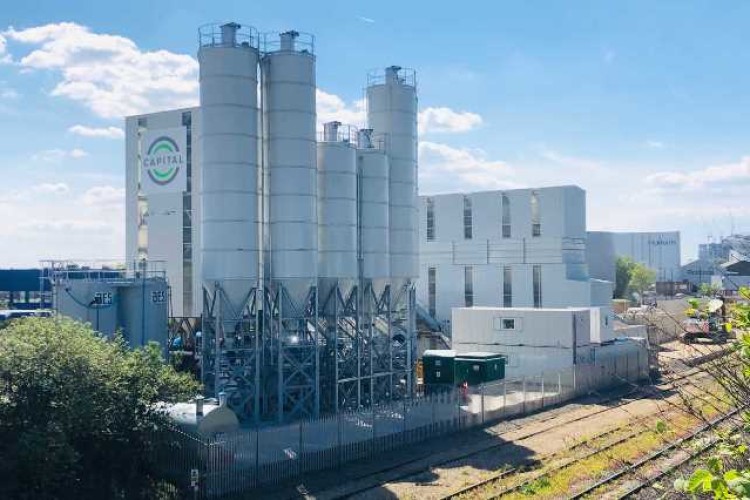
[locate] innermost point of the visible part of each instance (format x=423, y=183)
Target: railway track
x=504, y=474
x=634, y=394
x=632, y=469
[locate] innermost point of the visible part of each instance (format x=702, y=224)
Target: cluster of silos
x=309, y=242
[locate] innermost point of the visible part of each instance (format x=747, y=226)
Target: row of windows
x=468, y=218
x=507, y=298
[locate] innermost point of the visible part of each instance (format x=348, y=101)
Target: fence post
x=505, y=396
x=559, y=387
x=542, y=389
x=575, y=387
x=338, y=439
x=481, y=392
x=301, y=449
x=257, y=456
x=523, y=390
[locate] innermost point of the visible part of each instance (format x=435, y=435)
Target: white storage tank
x=88, y=300
x=373, y=205
x=337, y=203
x=288, y=72
x=392, y=112
x=228, y=58
x=143, y=311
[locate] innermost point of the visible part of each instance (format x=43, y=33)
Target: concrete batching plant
x=304, y=245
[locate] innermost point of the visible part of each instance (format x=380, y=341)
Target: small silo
x=337, y=204
x=392, y=112
x=85, y=297
x=374, y=207
x=143, y=311
x=228, y=58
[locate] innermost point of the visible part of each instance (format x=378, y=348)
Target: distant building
x=23, y=289
x=699, y=271
x=659, y=251
x=732, y=276
x=514, y=248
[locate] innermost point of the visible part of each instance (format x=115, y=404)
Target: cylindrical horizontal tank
x=337, y=205
x=288, y=72
x=228, y=138
x=373, y=207
x=392, y=112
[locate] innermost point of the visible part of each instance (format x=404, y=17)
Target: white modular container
x=374, y=208
x=228, y=141
x=337, y=205
x=521, y=326
x=392, y=112
x=288, y=72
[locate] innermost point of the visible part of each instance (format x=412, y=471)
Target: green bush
x=78, y=412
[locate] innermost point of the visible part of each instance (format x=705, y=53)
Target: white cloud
x=105, y=132
x=718, y=176
x=574, y=162
x=364, y=19
x=51, y=188
x=331, y=107
x=104, y=196
x=108, y=73
x=4, y=56
x=56, y=155
x=653, y=144
x=442, y=119
x=443, y=168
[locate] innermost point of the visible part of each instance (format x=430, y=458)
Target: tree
x=641, y=279
x=78, y=412
x=623, y=271
x=708, y=290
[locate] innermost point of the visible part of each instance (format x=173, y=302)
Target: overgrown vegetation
x=78, y=413
x=725, y=474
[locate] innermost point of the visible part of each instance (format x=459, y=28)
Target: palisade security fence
x=231, y=464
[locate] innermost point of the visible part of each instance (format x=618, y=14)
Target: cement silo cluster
x=309, y=241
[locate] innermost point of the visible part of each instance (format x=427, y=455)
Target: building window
x=431, y=291
x=505, y=216
x=467, y=218
x=536, y=223
x=537, y=284
x=469, y=286
x=430, y=219
x=507, y=287
x=501, y=324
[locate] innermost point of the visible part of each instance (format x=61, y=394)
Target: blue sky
x=643, y=104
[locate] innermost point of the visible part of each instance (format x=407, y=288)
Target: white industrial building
x=659, y=251
x=514, y=248
x=299, y=251
x=161, y=218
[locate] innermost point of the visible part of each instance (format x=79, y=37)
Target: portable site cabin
x=448, y=368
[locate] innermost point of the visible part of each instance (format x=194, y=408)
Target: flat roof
x=525, y=309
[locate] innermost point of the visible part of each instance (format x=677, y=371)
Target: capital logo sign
x=164, y=160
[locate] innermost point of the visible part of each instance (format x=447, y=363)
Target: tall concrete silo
x=337, y=266
x=228, y=58
x=392, y=113
x=289, y=151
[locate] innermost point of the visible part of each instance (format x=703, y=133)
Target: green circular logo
x=163, y=160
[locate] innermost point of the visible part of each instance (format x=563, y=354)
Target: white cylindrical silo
x=374, y=207
x=392, y=112
x=288, y=71
x=228, y=59
x=337, y=205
